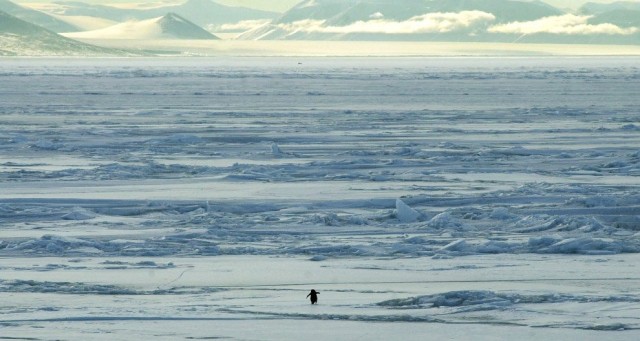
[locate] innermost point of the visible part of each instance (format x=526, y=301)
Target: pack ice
x=460, y=198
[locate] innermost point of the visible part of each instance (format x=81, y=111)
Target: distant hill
x=36, y=17
x=169, y=26
x=21, y=38
x=202, y=12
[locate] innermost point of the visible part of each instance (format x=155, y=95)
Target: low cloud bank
x=445, y=22
x=427, y=23
x=563, y=24
x=240, y=26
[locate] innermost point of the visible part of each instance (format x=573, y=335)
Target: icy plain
x=425, y=198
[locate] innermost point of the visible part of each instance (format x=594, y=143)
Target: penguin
x=314, y=296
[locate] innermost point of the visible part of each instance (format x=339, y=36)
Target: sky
x=578, y=3
x=283, y=5
x=268, y=5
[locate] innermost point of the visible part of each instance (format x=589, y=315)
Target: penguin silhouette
x=314, y=296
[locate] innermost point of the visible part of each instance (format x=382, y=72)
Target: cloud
x=427, y=23
x=240, y=26
x=306, y=25
x=562, y=24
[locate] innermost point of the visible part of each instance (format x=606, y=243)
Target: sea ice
x=149, y=199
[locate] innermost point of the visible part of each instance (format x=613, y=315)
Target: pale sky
x=283, y=5
x=269, y=5
x=578, y=3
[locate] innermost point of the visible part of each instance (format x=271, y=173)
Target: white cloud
x=427, y=23
x=562, y=24
x=241, y=26
x=307, y=25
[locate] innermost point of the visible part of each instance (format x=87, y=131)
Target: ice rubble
x=268, y=230
x=79, y=288
x=179, y=139
x=79, y=213
x=489, y=300
x=275, y=150
x=446, y=221
x=47, y=145
x=585, y=224
x=405, y=213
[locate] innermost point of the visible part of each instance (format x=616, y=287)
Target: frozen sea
x=450, y=198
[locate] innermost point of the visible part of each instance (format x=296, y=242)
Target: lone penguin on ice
x=314, y=296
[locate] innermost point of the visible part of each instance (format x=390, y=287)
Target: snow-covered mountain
x=599, y=8
x=36, y=17
x=169, y=26
x=445, y=20
x=341, y=12
x=21, y=38
x=201, y=12
x=322, y=19
x=622, y=13
x=620, y=17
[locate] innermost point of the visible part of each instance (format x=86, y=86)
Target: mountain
x=178, y=27
x=599, y=8
x=36, y=17
x=21, y=38
x=169, y=26
x=202, y=12
x=75, y=8
x=619, y=17
x=343, y=13
x=206, y=12
x=505, y=11
x=448, y=20
x=622, y=13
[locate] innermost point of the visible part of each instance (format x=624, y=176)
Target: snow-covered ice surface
x=425, y=198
